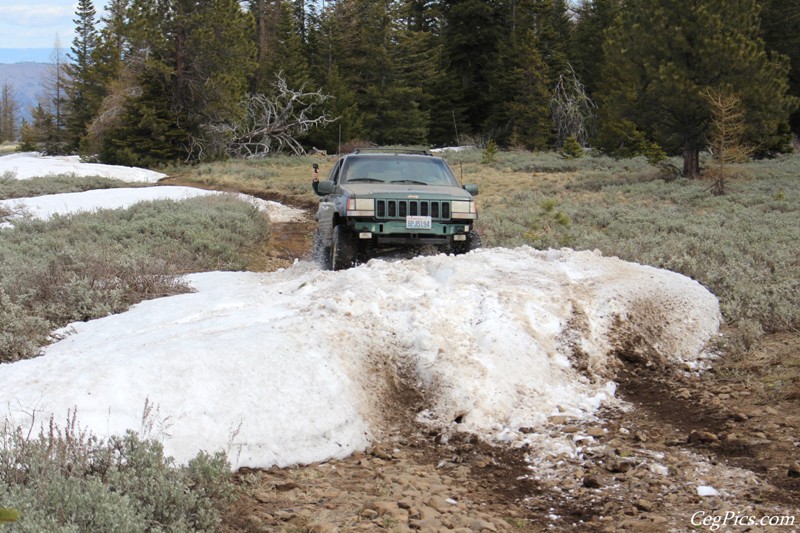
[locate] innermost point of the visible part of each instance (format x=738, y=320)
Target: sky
x=35, y=24
x=300, y=365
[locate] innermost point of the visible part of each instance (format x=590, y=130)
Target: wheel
x=343, y=249
x=320, y=253
x=473, y=242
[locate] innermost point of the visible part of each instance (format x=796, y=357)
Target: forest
x=155, y=82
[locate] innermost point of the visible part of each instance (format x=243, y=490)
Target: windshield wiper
x=368, y=180
x=410, y=181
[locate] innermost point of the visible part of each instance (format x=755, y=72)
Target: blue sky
x=35, y=24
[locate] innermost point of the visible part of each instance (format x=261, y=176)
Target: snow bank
x=28, y=165
x=302, y=365
x=46, y=206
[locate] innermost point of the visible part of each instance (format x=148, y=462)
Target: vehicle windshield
x=398, y=170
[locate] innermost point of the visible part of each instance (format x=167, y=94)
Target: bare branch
x=270, y=123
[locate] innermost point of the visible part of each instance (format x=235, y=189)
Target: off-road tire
x=473, y=242
x=320, y=253
x=343, y=249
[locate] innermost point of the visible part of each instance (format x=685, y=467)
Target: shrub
x=572, y=149
x=67, y=480
x=14, y=188
x=92, y=264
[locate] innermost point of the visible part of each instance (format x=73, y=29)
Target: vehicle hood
x=409, y=191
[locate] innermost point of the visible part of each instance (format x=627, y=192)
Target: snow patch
x=302, y=365
x=26, y=165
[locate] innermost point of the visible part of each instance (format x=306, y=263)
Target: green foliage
x=519, y=94
x=662, y=56
x=779, y=21
x=572, y=149
x=14, y=188
x=92, y=264
x=489, y=152
x=66, y=480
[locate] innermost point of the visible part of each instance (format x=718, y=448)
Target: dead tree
x=725, y=138
x=272, y=123
x=571, y=109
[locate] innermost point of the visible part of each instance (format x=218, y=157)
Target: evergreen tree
x=185, y=76
x=594, y=18
x=471, y=32
x=780, y=20
x=662, y=56
x=520, y=94
x=86, y=90
x=367, y=49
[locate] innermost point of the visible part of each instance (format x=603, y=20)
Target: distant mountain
x=25, y=55
x=27, y=79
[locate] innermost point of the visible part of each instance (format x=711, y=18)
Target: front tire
x=320, y=253
x=473, y=242
x=343, y=249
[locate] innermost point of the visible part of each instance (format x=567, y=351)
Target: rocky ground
x=683, y=451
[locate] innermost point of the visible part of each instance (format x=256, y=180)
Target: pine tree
x=780, y=21
x=86, y=91
x=471, y=32
x=184, y=76
x=520, y=94
x=663, y=55
x=594, y=18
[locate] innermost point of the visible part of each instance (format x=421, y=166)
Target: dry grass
x=8, y=148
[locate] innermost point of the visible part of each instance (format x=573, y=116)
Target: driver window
x=334, y=175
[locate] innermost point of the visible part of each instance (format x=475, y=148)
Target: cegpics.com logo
x=715, y=521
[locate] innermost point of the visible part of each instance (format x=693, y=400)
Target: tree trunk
x=691, y=161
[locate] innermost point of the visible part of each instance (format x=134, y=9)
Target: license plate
x=418, y=222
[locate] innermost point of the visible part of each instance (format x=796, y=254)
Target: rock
x=482, y=525
x=644, y=505
x=640, y=436
x=425, y=525
x=558, y=420
x=382, y=508
x=324, y=527
x=592, y=482
x=369, y=514
x=702, y=437
x=596, y=432
x=570, y=429
x=617, y=465
x=739, y=417
x=683, y=394
x=794, y=470
x=426, y=513
x=439, y=503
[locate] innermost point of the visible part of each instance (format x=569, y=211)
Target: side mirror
x=472, y=189
x=325, y=187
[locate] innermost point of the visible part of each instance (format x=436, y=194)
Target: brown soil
x=735, y=427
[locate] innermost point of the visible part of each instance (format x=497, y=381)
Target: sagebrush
x=89, y=265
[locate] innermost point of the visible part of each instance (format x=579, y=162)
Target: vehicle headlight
x=361, y=207
x=462, y=207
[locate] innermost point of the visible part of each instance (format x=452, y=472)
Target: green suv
x=377, y=201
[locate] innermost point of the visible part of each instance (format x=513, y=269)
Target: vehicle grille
x=391, y=209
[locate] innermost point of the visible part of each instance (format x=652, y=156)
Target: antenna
x=458, y=143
